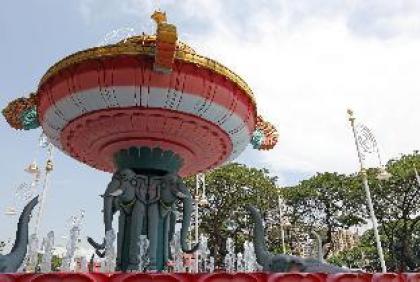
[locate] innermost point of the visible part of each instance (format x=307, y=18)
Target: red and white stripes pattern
x=190, y=93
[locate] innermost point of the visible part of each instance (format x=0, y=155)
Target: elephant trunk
x=186, y=219
x=108, y=213
x=260, y=250
x=12, y=261
x=320, y=252
x=108, y=203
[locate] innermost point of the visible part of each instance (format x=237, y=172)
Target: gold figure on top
x=159, y=17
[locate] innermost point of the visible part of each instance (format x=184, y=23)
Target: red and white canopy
x=92, y=106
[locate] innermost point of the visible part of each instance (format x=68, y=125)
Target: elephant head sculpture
x=11, y=262
x=282, y=262
x=120, y=195
x=146, y=206
x=174, y=189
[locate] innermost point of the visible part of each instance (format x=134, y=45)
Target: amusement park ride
x=150, y=110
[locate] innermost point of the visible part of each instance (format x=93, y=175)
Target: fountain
x=230, y=257
x=174, y=113
x=249, y=258
x=32, y=254
x=204, y=254
x=47, y=247
x=177, y=253
x=143, y=257
x=210, y=268
x=75, y=223
x=110, y=251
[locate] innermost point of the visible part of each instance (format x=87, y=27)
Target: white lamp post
x=417, y=176
x=48, y=168
x=199, y=181
x=367, y=191
x=282, y=225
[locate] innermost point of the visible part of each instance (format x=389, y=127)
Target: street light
x=282, y=225
x=48, y=169
x=367, y=191
x=417, y=176
x=199, y=182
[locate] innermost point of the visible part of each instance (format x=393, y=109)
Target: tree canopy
x=229, y=189
x=326, y=202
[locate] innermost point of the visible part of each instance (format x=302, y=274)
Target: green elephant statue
x=146, y=206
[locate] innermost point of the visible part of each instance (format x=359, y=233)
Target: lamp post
x=367, y=191
x=281, y=225
x=48, y=168
x=199, y=182
x=417, y=176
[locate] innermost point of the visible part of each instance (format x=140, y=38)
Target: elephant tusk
x=116, y=193
x=181, y=195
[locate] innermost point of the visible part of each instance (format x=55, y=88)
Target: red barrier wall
x=210, y=277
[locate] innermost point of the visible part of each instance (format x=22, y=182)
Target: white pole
x=417, y=176
x=197, y=199
x=368, y=197
x=281, y=226
x=42, y=204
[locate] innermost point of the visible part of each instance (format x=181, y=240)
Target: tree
x=56, y=262
x=326, y=201
x=396, y=204
x=229, y=189
x=362, y=256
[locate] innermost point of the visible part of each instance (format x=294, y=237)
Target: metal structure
x=359, y=146
x=150, y=110
x=283, y=244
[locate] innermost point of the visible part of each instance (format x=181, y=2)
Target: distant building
x=303, y=245
x=343, y=239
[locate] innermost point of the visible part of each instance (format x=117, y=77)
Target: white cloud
x=307, y=62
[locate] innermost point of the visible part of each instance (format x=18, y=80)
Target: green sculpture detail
x=146, y=204
x=29, y=119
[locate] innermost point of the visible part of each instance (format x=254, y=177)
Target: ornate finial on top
x=159, y=17
x=166, y=40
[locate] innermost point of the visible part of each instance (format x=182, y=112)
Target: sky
x=307, y=61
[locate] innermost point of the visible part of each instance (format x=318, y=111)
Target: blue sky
x=307, y=61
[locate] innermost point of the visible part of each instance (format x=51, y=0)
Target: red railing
x=212, y=277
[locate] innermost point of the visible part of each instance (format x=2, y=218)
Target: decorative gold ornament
x=49, y=167
x=159, y=17
x=14, y=110
x=146, y=45
x=166, y=41
x=32, y=168
x=270, y=134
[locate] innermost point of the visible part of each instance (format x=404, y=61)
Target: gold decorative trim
x=134, y=47
x=13, y=111
x=270, y=132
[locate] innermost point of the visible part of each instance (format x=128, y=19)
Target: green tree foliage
x=56, y=263
x=229, y=189
x=363, y=256
x=397, y=205
x=326, y=202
